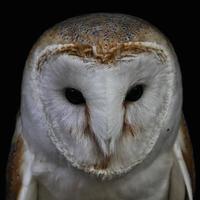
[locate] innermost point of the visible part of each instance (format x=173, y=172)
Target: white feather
x=183, y=168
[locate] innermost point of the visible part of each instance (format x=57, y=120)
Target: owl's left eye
x=134, y=93
x=74, y=96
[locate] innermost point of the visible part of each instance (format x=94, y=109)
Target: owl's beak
x=106, y=147
x=106, y=124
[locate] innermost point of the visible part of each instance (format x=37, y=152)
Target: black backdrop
x=21, y=25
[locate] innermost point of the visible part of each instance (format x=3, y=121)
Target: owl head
x=102, y=93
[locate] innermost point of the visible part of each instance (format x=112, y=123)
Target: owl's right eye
x=74, y=96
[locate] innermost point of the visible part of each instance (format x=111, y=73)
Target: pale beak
x=106, y=123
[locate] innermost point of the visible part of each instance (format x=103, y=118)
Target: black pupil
x=134, y=93
x=74, y=96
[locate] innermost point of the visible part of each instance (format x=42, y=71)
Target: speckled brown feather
x=97, y=29
x=101, y=36
x=187, y=151
x=14, y=178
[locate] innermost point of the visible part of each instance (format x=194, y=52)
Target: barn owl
x=101, y=115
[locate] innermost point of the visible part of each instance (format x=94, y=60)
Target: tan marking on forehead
x=101, y=36
x=102, y=53
x=14, y=179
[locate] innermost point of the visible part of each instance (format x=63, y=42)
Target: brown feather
x=105, y=54
x=14, y=179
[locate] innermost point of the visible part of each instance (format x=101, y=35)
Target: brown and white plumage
x=110, y=146
x=20, y=183
x=184, y=155
x=17, y=185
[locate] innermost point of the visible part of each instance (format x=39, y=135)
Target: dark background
x=21, y=25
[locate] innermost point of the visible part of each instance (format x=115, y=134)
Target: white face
x=106, y=118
